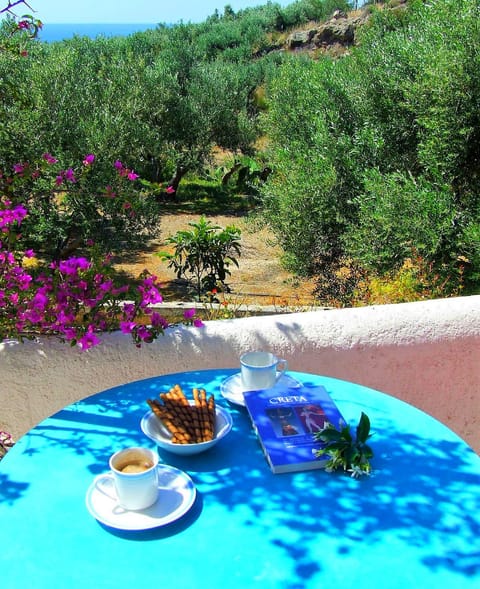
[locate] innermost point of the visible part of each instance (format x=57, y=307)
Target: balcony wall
x=425, y=353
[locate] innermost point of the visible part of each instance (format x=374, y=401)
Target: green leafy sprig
x=345, y=451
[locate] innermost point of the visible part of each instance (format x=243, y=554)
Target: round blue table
x=414, y=523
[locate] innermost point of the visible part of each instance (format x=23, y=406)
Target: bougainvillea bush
x=75, y=298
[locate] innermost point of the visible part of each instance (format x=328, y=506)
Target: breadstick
x=173, y=425
x=186, y=423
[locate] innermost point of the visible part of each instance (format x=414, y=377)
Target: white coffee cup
x=261, y=370
x=135, y=478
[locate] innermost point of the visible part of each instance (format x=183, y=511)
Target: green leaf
x=328, y=434
x=367, y=451
x=363, y=428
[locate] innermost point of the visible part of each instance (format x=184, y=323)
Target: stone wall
x=425, y=353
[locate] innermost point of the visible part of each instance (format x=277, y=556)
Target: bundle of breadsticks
x=188, y=424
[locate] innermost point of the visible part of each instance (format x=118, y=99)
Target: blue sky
x=132, y=11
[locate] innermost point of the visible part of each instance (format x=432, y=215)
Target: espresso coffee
x=136, y=466
x=135, y=476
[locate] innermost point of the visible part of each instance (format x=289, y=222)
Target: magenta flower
x=39, y=301
x=19, y=213
x=9, y=217
x=158, y=320
x=69, y=333
x=49, y=158
x=132, y=176
x=129, y=310
x=144, y=334
x=89, y=159
x=170, y=190
x=189, y=313
x=69, y=175
x=72, y=265
x=118, y=165
x=19, y=168
x=14, y=298
x=88, y=340
x=23, y=281
x=127, y=326
x=198, y=323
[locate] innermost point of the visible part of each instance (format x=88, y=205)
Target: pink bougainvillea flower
x=144, y=333
x=89, y=339
x=89, y=159
x=106, y=286
x=132, y=176
x=189, y=313
x=19, y=212
x=24, y=281
x=150, y=295
x=158, y=320
x=170, y=190
x=69, y=333
x=72, y=265
x=69, y=175
x=19, y=168
x=127, y=326
x=198, y=323
x=48, y=157
x=14, y=298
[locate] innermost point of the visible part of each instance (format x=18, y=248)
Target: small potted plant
x=346, y=451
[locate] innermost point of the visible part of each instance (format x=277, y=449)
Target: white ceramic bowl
x=153, y=428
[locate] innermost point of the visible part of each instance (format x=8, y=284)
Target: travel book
x=286, y=421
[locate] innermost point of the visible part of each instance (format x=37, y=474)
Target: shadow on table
x=10, y=490
x=420, y=495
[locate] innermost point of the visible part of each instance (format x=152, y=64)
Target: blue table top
x=414, y=523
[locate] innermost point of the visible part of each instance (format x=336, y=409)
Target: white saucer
x=232, y=389
x=176, y=494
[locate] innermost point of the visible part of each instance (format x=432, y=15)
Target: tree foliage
x=375, y=156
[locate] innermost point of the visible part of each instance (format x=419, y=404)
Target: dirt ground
x=259, y=279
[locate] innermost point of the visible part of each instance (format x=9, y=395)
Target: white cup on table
x=134, y=474
x=261, y=370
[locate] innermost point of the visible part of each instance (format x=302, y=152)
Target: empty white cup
x=261, y=370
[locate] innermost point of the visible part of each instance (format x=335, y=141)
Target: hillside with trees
x=356, y=143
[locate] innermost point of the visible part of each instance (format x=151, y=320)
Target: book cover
x=286, y=421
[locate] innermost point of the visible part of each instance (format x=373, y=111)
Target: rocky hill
x=336, y=35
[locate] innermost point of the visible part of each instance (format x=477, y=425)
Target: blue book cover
x=286, y=421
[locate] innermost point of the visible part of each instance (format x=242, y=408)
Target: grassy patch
x=209, y=197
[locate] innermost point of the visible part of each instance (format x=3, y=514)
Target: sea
x=59, y=32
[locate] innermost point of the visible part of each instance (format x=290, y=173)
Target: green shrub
x=203, y=255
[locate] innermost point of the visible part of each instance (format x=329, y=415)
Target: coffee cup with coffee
x=135, y=479
x=261, y=370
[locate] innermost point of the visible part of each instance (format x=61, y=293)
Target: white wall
x=426, y=353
